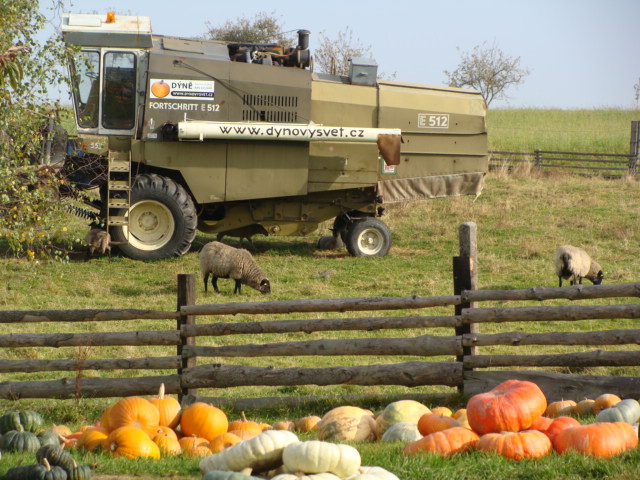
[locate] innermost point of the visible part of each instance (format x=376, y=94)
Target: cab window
x=118, y=92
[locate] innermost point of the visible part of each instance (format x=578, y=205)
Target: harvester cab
x=216, y=136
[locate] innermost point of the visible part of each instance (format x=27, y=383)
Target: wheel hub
x=148, y=221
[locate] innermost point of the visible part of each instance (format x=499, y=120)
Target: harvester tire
x=368, y=237
x=161, y=222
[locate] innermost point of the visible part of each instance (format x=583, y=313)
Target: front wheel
x=368, y=237
x=161, y=220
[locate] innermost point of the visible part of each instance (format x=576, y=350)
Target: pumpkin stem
x=161, y=391
x=244, y=417
x=46, y=464
x=247, y=471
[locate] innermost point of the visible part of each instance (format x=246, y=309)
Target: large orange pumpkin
x=93, y=438
x=511, y=406
x=445, y=442
x=134, y=412
x=168, y=408
x=131, y=442
x=434, y=422
x=601, y=440
x=516, y=445
x=203, y=420
x=559, y=424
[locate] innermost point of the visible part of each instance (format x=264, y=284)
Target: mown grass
x=521, y=218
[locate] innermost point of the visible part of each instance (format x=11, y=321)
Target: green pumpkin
x=19, y=441
x=36, y=472
x=49, y=438
x=29, y=420
x=227, y=475
x=627, y=410
x=79, y=472
x=55, y=455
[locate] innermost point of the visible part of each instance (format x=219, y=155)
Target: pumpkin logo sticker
x=179, y=89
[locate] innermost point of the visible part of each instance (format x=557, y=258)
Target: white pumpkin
x=402, y=432
x=347, y=423
x=313, y=476
x=315, y=456
x=259, y=453
x=373, y=473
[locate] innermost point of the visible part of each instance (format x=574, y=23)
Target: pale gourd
x=311, y=476
x=402, y=432
x=315, y=456
x=227, y=475
x=400, y=411
x=373, y=473
x=347, y=423
x=627, y=410
x=260, y=453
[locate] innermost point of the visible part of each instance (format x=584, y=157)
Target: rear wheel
x=368, y=237
x=162, y=220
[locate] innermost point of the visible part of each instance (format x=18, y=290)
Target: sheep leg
x=88, y=254
x=238, y=288
x=560, y=278
x=214, y=282
x=206, y=281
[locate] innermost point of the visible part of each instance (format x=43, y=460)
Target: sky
x=581, y=54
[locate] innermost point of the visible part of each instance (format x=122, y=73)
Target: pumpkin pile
x=53, y=463
x=515, y=421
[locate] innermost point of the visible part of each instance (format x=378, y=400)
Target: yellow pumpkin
x=168, y=408
x=93, y=438
x=131, y=442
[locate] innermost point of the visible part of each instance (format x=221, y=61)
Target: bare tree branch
x=489, y=70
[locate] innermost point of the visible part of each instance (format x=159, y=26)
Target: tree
x=636, y=87
x=29, y=203
x=332, y=56
x=487, y=69
x=261, y=28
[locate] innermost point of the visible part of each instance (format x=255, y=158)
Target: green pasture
x=521, y=217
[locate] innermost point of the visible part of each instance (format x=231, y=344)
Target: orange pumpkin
x=222, y=441
x=559, y=424
x=245, y=434
x=203, y=420
x=104, y=419
x=516, y=445
x=93, y=438
x=541, y=424
x=131, y=442
x=584, y=407
x=606, y=400
x=445, y=442
x=284, y=425
x=511, y=406
x=435, y=422
x=168, y=443
x=244, y=424
x=160, y=89
x=168, y=408
x=199, y=451
x=61, y=430
x=307, y=424
x=560, y=408
x=602, y=440
x=446, y=411
x=187, y=443
x=134, y=412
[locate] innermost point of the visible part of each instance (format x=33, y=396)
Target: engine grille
x=270, y=108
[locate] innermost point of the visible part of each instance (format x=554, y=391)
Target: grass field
x=522, y=218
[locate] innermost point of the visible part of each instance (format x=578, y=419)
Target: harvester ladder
x=118, y=189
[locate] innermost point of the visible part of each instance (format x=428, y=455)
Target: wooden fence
x=463, y=359
x=611, y=165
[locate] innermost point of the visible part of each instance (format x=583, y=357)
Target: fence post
x=538, y=157
x=465, y=277
x=186, y=296
x=634, y=147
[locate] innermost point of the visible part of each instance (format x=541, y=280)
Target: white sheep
x=223, y=261
x=98, y=239
x=574, y=264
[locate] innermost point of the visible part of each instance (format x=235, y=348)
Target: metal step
x=118, y=203
x=117, y=221
x=119, y=185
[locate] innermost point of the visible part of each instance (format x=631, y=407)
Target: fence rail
x=465, y=360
